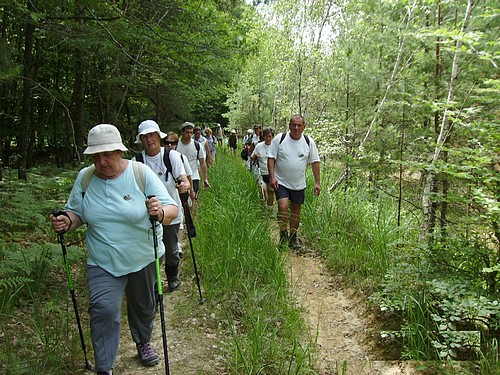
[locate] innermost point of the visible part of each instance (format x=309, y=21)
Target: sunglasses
x=171, y=143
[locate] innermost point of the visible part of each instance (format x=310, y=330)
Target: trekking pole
x=60, y=238
x=189, y=226
x=153, y=221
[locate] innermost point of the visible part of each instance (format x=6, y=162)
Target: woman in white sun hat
x=108, y=197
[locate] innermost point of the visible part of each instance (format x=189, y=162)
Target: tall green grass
x=243, y=269
x=356, y=232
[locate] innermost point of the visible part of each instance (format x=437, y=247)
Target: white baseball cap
x=104, y=138
x=185, y=125
x=146, y=127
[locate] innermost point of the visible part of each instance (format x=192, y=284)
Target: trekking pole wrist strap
x=162, y=216
x=57, y=213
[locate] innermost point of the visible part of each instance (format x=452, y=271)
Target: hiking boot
x=147, y=354
x=283, y=238
x=174, y=284
x=110, y=372
x=181, y=253
x=294, y=243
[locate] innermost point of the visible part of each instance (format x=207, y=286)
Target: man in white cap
x=195, y=154
x=173, y=175
x=120, y=254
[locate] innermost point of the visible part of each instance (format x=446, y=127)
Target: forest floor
x=344, y=329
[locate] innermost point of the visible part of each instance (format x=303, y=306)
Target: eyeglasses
x=171, y=143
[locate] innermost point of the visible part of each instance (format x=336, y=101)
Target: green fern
x=13, y=283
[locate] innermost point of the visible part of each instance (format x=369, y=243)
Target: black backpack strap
x=139, y=157
x=197, y=145
x=167, y=162
x=283, y=135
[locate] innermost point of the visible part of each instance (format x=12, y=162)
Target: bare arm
x=209, y=154
x=270, y=167
x=204, y=172
x=315, y=170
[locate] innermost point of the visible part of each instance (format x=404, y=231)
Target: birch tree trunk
x=444, y=132
x=388, y=88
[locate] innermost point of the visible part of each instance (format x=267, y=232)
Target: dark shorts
x=295, y=196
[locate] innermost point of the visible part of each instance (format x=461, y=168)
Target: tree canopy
x=68, y=66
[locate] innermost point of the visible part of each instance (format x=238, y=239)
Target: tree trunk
x=3, y=92
x=444, y=133
x=26, y=101
x=79, y=104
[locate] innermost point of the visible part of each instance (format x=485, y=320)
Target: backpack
x=249, y=140
x=166, y=161
x=136, y=167
x=244, y=153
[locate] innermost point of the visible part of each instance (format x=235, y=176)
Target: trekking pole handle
x=152, y=218
x=183, y=196
x=57, y=213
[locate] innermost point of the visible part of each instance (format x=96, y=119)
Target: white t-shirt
x=158, y=166
x=187, y=167
x=192, y=156
x=262, y=150
x=292, y=157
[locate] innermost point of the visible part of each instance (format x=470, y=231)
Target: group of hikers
x=121, y=200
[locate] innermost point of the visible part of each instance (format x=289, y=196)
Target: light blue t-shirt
x=119, y=234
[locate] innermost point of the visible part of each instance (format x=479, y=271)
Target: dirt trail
x=194, y=337
x=337, y=322
x=336, y=319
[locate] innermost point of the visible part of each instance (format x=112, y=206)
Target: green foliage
x=171, y=60
x=34, y=305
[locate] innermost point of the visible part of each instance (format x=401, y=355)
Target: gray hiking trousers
x=172, y=258
x=105, y=301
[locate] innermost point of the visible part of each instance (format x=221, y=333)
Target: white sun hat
x=146, y=127
x=104, y=138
